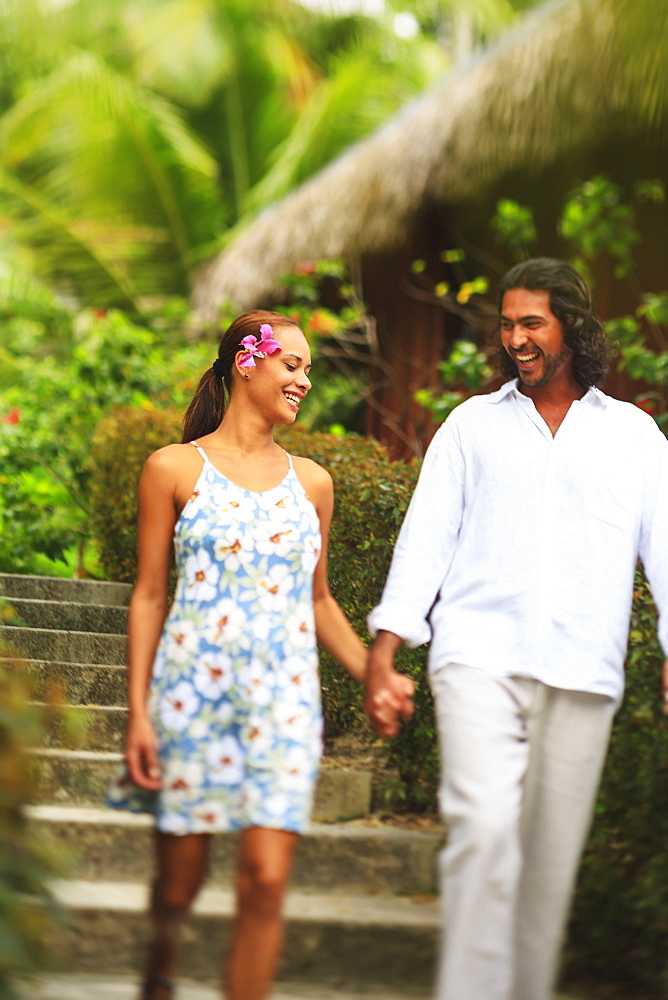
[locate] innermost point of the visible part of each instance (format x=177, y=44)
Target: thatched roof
x=570, y=74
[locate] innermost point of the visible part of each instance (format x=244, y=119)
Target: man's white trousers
x=521, y=764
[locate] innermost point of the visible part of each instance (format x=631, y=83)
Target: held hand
x=665, y=687
x=141, y=755
x=406, y=689
x=388, y=702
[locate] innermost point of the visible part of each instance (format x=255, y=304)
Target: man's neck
x=553, y=401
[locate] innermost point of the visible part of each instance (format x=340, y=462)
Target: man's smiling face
x=534, y=338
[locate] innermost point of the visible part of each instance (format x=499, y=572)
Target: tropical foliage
x=135, y=135
x=50, y=409
x=80, y=365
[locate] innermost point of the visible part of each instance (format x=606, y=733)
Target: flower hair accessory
x=258, y=347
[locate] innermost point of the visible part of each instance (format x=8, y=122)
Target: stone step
x=82, y=777
x=110, y=846
x=74, y=647
x=79, y=683
x=51, y=588
x=69, y=616
x=345, y=938
x=68, y=986
x=79, y=748
x=86, y=727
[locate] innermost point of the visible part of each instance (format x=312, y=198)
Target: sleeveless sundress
x=235, y=690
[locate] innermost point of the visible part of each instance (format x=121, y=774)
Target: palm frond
x=179, y=51
x=65, y=232
x=64, y=142
x=344, y=108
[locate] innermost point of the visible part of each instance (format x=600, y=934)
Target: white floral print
x=275, y=588
x=213, y=675
x=256, y=683
x=235, y=696
x=179, y=706
x=226, y=761
x=234, y=550
x=202, y=575
x=225, y=623
x=300, y=628
x=183, y=639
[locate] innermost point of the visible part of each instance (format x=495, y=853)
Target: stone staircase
x=361, y=911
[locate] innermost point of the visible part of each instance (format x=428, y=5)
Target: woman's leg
x=181, y=868
x=263, y=869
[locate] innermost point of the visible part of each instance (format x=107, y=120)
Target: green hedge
x=120, y=446
x=619, y=928
x=619, y=925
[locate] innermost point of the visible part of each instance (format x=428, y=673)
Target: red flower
x=307, y=268
x=12, y=417
x=646, y=403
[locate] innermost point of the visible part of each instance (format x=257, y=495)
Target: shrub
x=50, y=405
x=619, y=925
x=120, y=446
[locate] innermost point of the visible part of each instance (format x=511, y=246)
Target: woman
x=224, y=729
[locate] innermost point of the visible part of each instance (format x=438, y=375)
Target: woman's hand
x=388, y=694
x=141, y=754
x=389, y=703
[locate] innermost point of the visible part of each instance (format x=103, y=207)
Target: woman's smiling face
x=281, y=380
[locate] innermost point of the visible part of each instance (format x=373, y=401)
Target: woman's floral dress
x=235, y=692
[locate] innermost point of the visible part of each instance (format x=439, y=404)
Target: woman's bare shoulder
x=315, y=479
x=172, y=459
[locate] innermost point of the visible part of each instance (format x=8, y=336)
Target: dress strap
x=201, y=451
x=289, y=459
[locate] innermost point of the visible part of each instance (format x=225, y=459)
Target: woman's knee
x=175, y=898
x=175, y=889
x=181, y=871
x=261, y=888
x=263, y=870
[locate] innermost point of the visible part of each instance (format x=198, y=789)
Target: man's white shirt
x=518, y=550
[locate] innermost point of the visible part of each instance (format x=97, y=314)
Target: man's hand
x=387, y=693
x=665, y=687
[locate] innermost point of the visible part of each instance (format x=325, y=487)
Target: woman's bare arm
x=148, y=609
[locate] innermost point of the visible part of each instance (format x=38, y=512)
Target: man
x=517, y=558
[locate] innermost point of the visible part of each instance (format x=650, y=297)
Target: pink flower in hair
x=258, y=347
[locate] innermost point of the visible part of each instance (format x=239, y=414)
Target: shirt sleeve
x=654, y=529
x=425, y=545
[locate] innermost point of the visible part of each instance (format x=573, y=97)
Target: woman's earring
x=246, y=375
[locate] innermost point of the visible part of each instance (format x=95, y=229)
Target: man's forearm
x=381, y=655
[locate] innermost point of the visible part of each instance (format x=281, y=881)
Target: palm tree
x=135, y=135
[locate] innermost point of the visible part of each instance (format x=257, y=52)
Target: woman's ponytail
x=206, y=409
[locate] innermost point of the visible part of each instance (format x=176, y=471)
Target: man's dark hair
x=571, y=303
